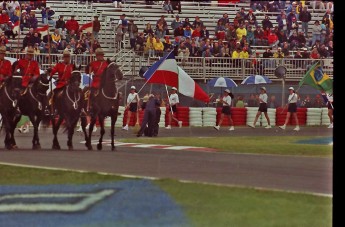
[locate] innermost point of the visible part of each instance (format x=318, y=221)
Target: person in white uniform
x=173, y=102
x=132, y=106
x=292, y=109
x=330, y=107
x=262, y=108
x=226, y=101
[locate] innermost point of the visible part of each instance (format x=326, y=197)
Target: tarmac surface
x=274, y=172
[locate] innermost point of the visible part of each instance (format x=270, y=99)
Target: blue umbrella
x=256, y=79
x=222, y=82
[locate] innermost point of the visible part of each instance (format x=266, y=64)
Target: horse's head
x=112, y=74
x=42, y=83
x=75, y=79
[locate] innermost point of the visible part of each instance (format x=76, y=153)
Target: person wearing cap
x=251, y=18
x=226, y=101
x=173, y=102
x=64, y=70
x=150, y=119
x=96, y=69
x=28, y=68
x=72, y=24
x=132, y=106
x=176, y=22
x=263, y=98
x=5, y=66
x=292, y=109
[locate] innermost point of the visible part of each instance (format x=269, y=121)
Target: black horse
x=106, y=103
x=69, y=103
x=32, y=102
x=9, y=90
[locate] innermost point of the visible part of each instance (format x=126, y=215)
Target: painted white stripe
x=178, y=147
x=89, y=199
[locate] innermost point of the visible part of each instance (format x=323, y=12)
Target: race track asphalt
x=277, y=172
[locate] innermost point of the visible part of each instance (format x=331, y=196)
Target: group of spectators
x=62, y=34
x=239, y=37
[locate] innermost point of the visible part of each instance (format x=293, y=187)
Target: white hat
x=132, y=87
x=263, y=88
x=291, y=88
x=174, y=88
x=24, y=11
x=227, y=90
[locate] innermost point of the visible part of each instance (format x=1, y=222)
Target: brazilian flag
x=316, y=78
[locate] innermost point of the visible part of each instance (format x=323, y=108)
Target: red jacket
x=72, y=25
x=28, y=69
x=5, y=69
x=64, y=72
x=97, y=68
x=272, y=38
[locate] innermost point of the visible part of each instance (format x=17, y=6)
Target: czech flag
x=166, y=71
x=87, y=27
x=43, y=30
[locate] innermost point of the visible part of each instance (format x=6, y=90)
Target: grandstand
x=198, y=67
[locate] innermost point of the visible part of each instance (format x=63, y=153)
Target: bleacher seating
x=142, y=14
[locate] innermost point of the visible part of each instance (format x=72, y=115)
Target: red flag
x=16, y=27
x=43, y=30
x=87, y=27
x=166, y=71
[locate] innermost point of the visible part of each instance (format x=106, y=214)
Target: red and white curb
x=154, y=146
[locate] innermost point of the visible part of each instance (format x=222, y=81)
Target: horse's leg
x=83, y=123
x=70, y=124
x=112, y=131
x=6, y=125
x=56, y=126
x=13, y=128
x=92, y=123
x=33, y=120
x=101, y=122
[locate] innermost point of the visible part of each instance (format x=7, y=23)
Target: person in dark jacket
x=305, y=17
x=60, y=24
x=149, y=119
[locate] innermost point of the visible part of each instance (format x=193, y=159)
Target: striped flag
x=166, y=71
x=16, y=27
x=87, y=27
x=43, y=30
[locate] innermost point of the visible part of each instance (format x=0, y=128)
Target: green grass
x=205, y=205
x=248, y=144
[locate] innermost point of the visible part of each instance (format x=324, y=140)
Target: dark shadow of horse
x=69, y=103
x=106, y=104
x=9, y=91
x=32, y=103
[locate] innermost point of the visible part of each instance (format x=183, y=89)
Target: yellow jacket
x=158, y=46
x=235, y=54
x=244, y=54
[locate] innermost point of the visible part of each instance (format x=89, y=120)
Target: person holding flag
x=328, y=98
x=132, y=106
x=173, y=102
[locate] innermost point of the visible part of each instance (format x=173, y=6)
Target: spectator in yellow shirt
x=149, y=46
x=241, y=31
x=244, y=53
x=236, y=56
x=159, y=47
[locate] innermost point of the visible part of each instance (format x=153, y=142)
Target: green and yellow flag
x=316, y=78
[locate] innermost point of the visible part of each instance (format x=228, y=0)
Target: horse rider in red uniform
x=96, y=68
x=5, y=66
x=64, y=70
x=29, y=69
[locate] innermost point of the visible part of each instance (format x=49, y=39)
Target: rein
x=14, y=101
x=32, y=95
x=76, y=100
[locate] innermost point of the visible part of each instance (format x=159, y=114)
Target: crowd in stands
x=240, y=37
x=236, y=38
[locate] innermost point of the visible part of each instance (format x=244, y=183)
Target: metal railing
x=199, y=68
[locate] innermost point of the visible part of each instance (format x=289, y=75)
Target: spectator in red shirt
x=273, y=39
x=72, y=24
